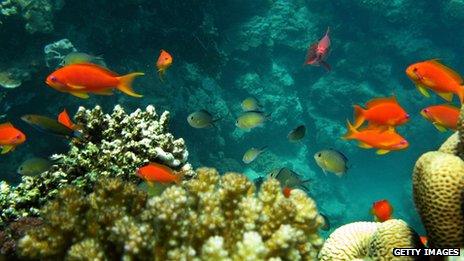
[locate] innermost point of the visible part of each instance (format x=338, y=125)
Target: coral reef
x=208, y=218
x=438, y=182
x=369, y=239
x=111, y=145
x=37, y=14
x=56, y=51
x=14, y=232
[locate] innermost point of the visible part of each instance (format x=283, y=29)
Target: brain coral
x=374, y=240
x=210, y=217
x=112, y=145
x=438, y=187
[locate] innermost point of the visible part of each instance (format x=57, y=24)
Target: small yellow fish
x=332, y=161
x=251, y=119
x=34, y=166
x=251, y=154
x=201, y=119
x=153, y=190
x=250, y=104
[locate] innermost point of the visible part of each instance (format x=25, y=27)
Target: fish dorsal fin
x=7, y=124
x=450, y=71
x=95, y=66
x=378, y=101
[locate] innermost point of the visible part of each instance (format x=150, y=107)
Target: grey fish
x=297, y=134
x=49, y=125
x=326, y=226
x=34, y=166
x=201, y=119
x=331, y=160
x=289, y=178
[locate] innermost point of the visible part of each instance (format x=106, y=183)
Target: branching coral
x=438, y=185
x=369, y=239
x=207, y=218
x=112, y=145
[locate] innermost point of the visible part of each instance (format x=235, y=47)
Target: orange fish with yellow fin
x=443, y=117
x=381, y=112
x=159, y=173
x=81, y=79
x=10, y=137
x=437, y=77
x=163, y=63
x=381, y=139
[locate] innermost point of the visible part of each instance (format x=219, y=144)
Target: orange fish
x=435, y=76
x=443, y=116
x=81, y=79
x=10, y=137
x=163, y=63
x=380, y=111
x=64, y=119
x=287, y=191
x=155, y=172
x=424, y=240
x=383, y=140
x=382, y=210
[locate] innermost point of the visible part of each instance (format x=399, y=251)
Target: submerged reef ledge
x=110, y=145
x=210, y=217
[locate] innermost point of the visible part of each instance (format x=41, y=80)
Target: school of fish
x=374, y=126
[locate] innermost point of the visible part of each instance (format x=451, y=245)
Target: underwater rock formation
x=438, y=185
x=369, y=239
x=210, y=217
x=37, y=14
x=111, y=145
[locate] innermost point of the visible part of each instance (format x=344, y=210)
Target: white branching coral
x=111, y=145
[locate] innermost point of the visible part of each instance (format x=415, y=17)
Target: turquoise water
x=225, y=51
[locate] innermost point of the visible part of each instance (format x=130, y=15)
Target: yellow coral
x=438, y=182
x=369, y=240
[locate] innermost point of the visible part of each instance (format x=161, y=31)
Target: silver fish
x=331, y=160
x=201, y=119
x=289, y=178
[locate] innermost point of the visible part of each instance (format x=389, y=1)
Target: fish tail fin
x=161, y=73
x=125, y=84
x=326, y=65
x=461, y=94
x=358, y=116
x=350, y=132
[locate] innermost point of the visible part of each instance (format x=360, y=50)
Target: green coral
x=206, y=218
x=112, y=145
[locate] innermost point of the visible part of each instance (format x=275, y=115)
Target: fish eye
x=53, y=78
x=414, y=69
x=319, y=155
x=20, y=168
x=166, y=58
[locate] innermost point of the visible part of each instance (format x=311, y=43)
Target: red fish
x=382, y=210
x=318, y=52
x=10, y=137
x=437, y=77
x=64, y=119
x=155, y=172
x=163, y=63
x=287, y=191
x=84, y=78
x=424, y=240
x=443, y=116
x=381, y=112
x=381, y=139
